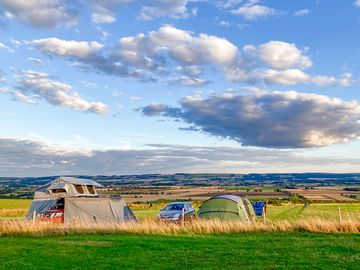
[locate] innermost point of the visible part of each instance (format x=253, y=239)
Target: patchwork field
x=328, y=194
x=149, y=194
x=231, y=251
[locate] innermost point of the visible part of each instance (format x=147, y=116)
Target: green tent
x=227, y=207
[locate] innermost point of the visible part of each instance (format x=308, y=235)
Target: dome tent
x=75, y=199
x=227, y=207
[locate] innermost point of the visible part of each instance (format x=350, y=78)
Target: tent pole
x=182, y=216
x=340, y=217
x=34, y=215
x=264, y=214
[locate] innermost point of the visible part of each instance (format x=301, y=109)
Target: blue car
x=173, y=211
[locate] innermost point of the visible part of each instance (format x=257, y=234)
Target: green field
x=14, y=203
x=123, y=251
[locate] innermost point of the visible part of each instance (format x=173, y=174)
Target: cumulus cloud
x=158, y=54
x=296, y=76
x=39, y=158
x=88, y=55
x=34, y=86
x=280, y=55
x=274, y=120
x=145, y=55
x=40, y=13
x=180, y=45
x=68, y=48
x=252, y=10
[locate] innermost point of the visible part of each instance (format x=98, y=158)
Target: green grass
x=14, y=203
x=236, y=251
x=325, y=211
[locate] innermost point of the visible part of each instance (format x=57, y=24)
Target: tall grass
x=30, y=228
x=13, y=212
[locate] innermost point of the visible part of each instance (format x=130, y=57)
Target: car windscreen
x=171, y=207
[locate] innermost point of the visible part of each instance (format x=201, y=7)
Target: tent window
x=59, y=190
x=91, y=189
x=79, y=189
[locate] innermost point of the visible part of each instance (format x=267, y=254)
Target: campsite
x=144, y=242
x=179, y=134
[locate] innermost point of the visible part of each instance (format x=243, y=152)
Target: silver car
x=173, y=211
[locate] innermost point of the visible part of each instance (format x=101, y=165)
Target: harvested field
x=326, y=194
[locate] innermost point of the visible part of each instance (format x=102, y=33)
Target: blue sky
x=159, y=86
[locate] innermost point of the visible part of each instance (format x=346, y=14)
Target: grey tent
x=227, y=207
x=76, y=199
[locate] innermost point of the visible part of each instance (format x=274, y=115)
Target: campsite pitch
x=234, y=251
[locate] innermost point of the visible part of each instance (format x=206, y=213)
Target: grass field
x=194, y=245
x=235, y=251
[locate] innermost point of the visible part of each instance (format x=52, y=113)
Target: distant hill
x=201, y=179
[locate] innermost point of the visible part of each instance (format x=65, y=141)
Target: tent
x=227, y=207
x=75, y=199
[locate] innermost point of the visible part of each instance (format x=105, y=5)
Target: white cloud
x=38, y=85
x=357, y=3
x=40, y=13
x=104, y=11
x=269, y=119
x=40, y=158
x=226, y=4
x=286, y=77
x=37, y=61
x=17, y=95
x=158, y=54
x=253, y=11
x=181, y=45
x=302, y=12
x=188, y=81
x=280, y=55
x=3, y=46
x=164, y=8
x=71, y=48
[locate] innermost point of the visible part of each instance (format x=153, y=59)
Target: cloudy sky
x=165, y=86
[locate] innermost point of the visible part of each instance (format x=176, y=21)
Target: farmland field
x=247, y=251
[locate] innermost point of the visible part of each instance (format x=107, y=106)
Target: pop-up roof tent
x=79, y=201
x=227, y=207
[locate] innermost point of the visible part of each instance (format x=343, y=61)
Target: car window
x=171, y=207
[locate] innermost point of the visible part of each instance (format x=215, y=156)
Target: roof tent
x=76, y=199
x=227, y=207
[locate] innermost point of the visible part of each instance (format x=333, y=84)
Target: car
x=173, y=211
x=53, y=216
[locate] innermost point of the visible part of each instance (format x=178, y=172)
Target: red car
x=55, y=216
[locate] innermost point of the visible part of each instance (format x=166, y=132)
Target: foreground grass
x=196, y=226
x=234, y=251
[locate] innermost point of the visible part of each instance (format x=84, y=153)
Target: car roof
x=180, y=203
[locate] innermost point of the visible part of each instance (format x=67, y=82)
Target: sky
x=164, y=86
